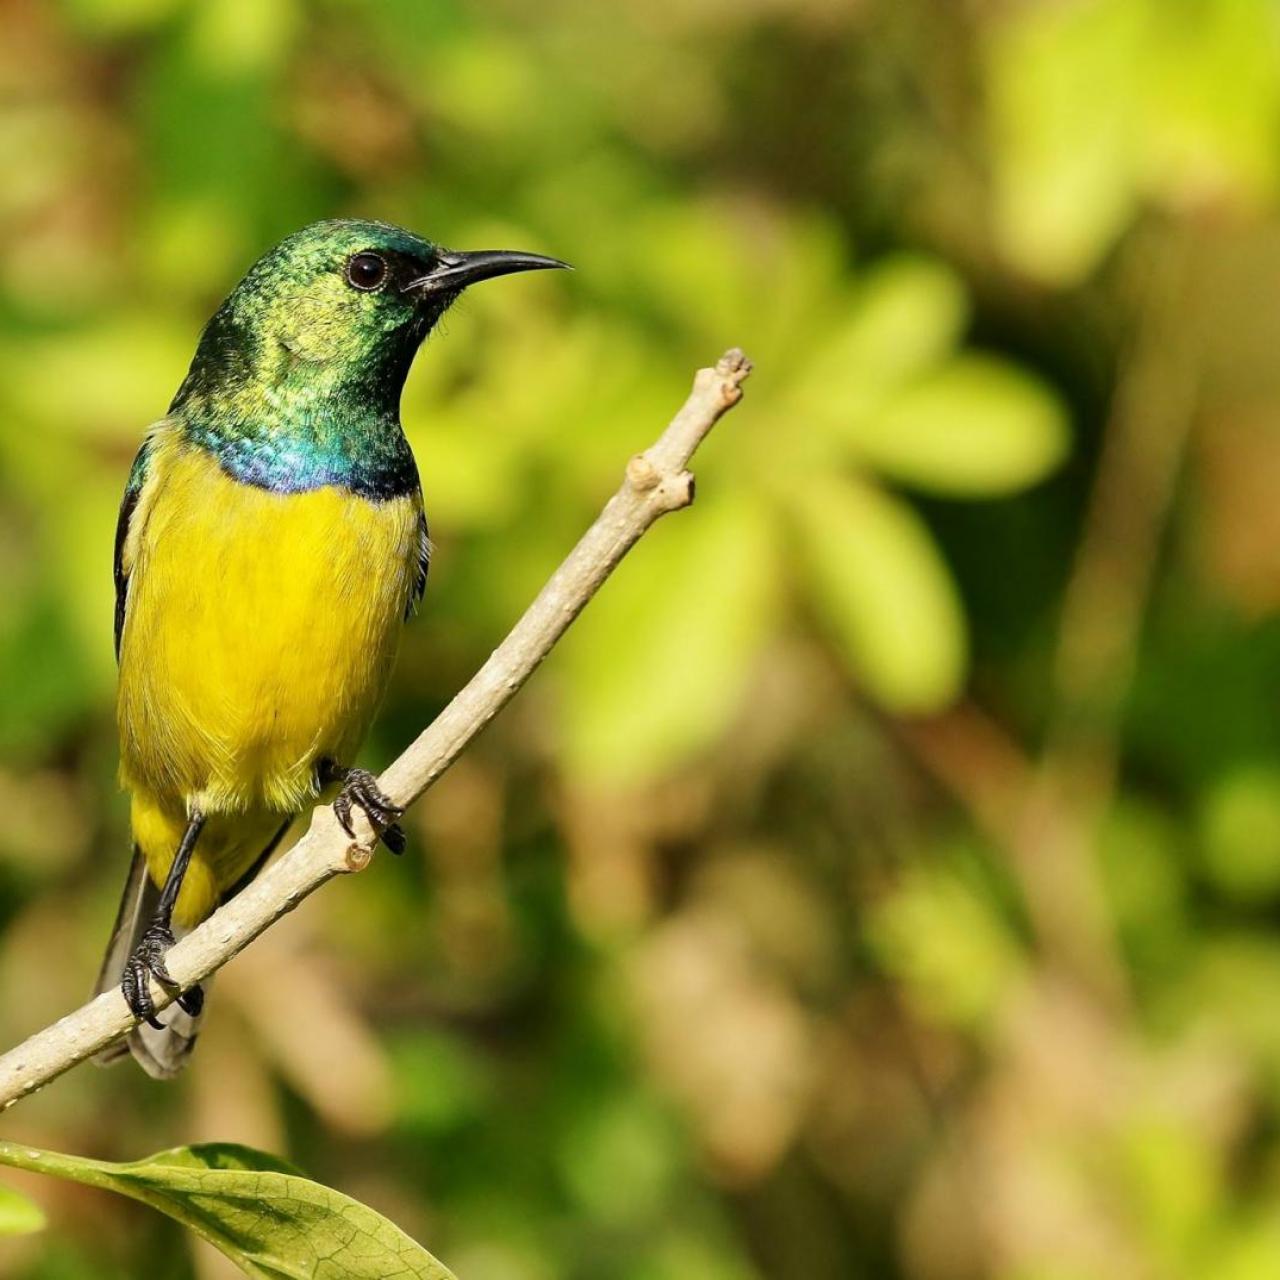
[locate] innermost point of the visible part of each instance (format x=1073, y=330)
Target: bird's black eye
x=366, y=271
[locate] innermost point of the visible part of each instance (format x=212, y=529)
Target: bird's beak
x=456, y=270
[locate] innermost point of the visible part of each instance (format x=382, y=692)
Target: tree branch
x=656, y=482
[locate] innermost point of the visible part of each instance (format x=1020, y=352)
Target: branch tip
x=734, y=364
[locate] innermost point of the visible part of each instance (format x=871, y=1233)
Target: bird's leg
x=147, y=960
x=360, y=787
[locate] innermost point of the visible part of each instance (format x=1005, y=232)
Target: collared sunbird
x=270, y=544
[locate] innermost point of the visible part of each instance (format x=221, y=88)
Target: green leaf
x=115, y=16
x=719, y=259
x=18, y=1216
x=102, y=380
x=976, y=426
x=1212, y=101
x=942, y=936
x=1063, y=107
x=884, y=591
x=658, y=664
x=906, y=316
x=266, y=1217
x=1239, y=827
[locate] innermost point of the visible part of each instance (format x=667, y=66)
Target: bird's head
x=339, y=303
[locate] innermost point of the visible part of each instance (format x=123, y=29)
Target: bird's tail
x=161, y=1054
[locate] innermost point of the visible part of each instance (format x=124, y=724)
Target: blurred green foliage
x=18, y=1216
x=883, y=878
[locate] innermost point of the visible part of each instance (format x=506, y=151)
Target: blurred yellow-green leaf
x=1173, y=1180
x=944, y=940
x=976, y=426
x=1064, y=95
x=1213, y=100
x=18, y=1215
x=883, y=591
x=909, y=312
x=904, y=317
x=1240, y=833
x=102, y=383
x=656, y=667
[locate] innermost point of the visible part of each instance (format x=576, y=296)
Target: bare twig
x=656, y=482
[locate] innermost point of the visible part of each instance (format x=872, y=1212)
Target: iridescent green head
x=297, y=377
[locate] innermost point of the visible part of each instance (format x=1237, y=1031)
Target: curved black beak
x=456, y=270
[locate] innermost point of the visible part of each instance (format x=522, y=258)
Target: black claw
x=147, y=962
x=133, y=985
x=342, y=811
x=361, y=788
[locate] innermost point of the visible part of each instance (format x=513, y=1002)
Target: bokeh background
x=883, y=880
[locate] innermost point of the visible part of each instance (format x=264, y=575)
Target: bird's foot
x=360, y=787
x=147, y=962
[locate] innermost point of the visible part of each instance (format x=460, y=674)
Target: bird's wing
x=128, y=504
x=132, y=513
x=424, y=564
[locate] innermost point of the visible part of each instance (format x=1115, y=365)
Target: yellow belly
x=259, y=633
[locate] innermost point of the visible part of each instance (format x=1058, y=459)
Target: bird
x=271, y=542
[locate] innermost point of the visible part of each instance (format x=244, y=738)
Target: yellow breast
x=259, y=633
